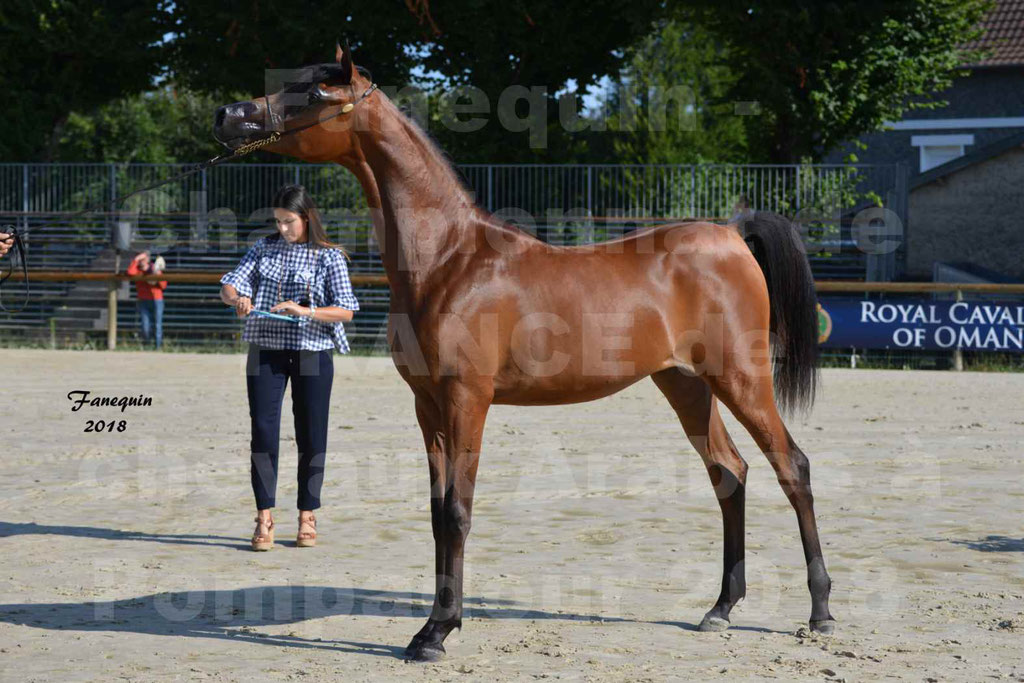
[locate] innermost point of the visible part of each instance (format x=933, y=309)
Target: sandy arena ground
x=595, y=545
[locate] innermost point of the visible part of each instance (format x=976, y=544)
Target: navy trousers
x=267, y=374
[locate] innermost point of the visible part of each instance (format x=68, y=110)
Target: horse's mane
x=460, y=186
x=429, y=142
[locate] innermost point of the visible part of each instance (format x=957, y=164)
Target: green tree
x=167, y=125
x=221, y=44
x=826, y=72
x=670, y=104
x=60, y=56
x=489, y=44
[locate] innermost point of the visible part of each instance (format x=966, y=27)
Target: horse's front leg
x=429, y=416
x=462, y=413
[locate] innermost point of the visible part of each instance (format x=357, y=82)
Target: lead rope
x=19, y=245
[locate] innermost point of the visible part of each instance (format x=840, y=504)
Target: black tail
x=794, y=306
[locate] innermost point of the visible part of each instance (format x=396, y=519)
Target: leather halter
x=275, y=136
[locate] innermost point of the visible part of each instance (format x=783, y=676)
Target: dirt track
x=595, y=545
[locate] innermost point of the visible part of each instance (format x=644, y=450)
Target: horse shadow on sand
x=31, y=528
x=238, y=615
x=995, y=544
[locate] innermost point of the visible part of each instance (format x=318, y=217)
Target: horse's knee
x=738, y=466
x=728, y=480
x=800, y=464
x=455, y=520
x=793, y=470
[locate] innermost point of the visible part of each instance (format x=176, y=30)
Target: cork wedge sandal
x=263, y=542
x=306, y=538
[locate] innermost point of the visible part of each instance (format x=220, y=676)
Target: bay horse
x=483, y=312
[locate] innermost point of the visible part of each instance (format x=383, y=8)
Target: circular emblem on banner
x=824, y=325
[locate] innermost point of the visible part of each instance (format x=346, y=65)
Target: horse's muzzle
x=234, y=124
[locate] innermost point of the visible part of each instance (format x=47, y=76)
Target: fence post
x=958, y=354
x=693, y=191
x=24, y=197
x=798, y=188
x=112, y=313
x=590, y=193
x=902, y=202
x=490, y=187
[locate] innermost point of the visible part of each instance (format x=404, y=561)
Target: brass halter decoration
x=238, y=152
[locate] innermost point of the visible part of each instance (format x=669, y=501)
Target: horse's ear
x=338, y=52
x=344, y=57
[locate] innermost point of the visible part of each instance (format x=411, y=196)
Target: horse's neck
x=383, y=232
x=422, y=216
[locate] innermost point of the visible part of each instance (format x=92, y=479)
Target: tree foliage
x=168, y=125
x=670, y=103
x=59, y=56
x=221, y=44
x=821, y=73
x=489, y=44
x=826, y=72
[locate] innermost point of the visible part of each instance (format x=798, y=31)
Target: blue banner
x=921, y=323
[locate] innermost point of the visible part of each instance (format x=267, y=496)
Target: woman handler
x=296, y=272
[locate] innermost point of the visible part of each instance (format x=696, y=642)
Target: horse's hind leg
x=691, y=398
x=751, y=399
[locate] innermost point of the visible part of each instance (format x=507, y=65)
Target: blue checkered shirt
x=273, y=264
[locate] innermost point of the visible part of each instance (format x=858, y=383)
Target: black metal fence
x=206, y=221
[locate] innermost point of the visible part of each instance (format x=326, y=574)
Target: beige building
x=970, y=209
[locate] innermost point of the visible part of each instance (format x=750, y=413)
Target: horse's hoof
x=424, y=652
x=825, y=627
x=712, y=624
x=416, y=642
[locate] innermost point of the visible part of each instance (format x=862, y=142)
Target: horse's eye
x=314, y=96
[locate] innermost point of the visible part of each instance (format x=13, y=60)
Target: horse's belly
x=579, y=390
x=580, y=363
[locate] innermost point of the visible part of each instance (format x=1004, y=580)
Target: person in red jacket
x=150, y=296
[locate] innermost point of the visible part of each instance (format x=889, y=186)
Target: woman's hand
x=243, y=305
x=290, y=308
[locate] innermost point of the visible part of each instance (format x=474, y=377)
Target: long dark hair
x=296, y=198
x=794, y=305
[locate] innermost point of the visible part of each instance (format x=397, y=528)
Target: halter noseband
x=243, y=150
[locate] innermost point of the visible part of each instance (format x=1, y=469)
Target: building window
x=938, y=149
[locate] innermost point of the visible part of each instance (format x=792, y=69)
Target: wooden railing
x=919, y=287
x=365, y=279
x=203, y=277
x=374, y=279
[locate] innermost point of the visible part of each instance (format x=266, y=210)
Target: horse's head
x=314, y=104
